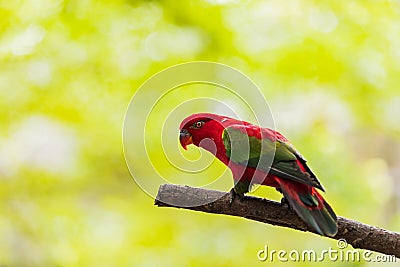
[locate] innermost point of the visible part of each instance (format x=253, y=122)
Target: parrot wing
x=253, y=146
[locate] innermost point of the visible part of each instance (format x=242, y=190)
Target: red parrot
x=245, y=148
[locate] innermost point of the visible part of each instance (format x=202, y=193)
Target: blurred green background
x=330, y=71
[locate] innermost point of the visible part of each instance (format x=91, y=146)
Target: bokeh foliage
x=329, y=69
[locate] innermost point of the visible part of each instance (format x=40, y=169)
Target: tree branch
x=357, y=234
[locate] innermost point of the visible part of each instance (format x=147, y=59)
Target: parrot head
x=198, y=127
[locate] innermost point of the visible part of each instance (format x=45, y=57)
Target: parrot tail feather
x=310, y=206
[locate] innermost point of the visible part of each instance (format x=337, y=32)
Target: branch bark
x=356, y=234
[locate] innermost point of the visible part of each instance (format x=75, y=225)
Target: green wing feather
x=257, y=153
x=243, y=149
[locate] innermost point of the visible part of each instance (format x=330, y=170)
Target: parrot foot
x=233, y=195
x=285, y=203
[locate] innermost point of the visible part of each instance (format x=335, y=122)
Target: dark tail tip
x=323, y=219
x=318, y=215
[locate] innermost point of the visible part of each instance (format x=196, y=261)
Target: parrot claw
x=233, y=195
x=285, y=203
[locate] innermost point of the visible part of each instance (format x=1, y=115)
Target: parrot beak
x=185, y=138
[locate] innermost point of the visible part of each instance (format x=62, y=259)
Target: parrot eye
x=198, y=124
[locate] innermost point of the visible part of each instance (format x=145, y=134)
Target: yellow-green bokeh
x=329, y=69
